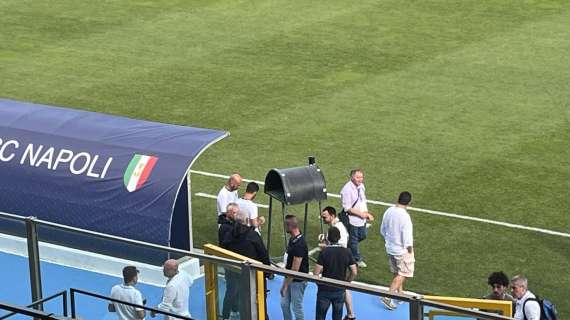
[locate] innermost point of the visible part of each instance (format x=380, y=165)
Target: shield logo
x=138, y=171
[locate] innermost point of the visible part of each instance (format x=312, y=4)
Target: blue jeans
x=356, y=234
x=325, y=299
x=293, y=299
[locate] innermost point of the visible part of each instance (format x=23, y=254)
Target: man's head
x=328, y=215
x=357, y=177
x=405, y=198
x=519, y=286
x=234, y=182
x=291, y=224
x=231, y=210
x=170, y=268
x=251, y=190
x=130, y=275
x=242, y=217
x=333, y=235
x=499, y=283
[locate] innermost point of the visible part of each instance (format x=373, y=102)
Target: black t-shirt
x=336, y=261
x=297, y=247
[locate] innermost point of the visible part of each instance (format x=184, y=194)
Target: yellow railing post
x=211, y=291
x=504, y=307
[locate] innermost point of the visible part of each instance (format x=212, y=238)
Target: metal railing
x=73, y=291
x=36, y=314
x=40, y=302
x=416, y=302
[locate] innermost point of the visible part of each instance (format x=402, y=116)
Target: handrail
x=375, y=291
x=271, y=269
x=72, y=292
x=28, y=312
x=13, y=216
x=33, y=304
x=136, y=242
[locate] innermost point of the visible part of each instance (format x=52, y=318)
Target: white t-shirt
x=343, y=242
x=176, y=295
x=225, y=197
x=532, y=308
x=397, y=230
x=249, y=207
x=128, y=294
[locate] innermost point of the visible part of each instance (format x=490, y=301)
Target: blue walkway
x=15, y=289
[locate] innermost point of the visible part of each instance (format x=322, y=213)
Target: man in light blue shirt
x=397, y=230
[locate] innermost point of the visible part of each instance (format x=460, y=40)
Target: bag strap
x=524, y=305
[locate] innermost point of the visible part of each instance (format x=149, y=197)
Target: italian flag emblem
x=138, y=171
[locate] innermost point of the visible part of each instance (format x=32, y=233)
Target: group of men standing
x=339, y=252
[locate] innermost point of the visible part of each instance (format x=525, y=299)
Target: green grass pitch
x=463, y=103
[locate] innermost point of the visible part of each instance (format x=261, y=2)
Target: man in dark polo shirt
x=333, y=262
x=292, y=290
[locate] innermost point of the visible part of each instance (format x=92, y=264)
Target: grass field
x=463, y=103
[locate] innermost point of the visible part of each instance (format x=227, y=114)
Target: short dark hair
x=291, y=220
x=333, y=235
x=405, y=198
x=498, y=278
x=330, y=210
x=252, y=187
x=354, y=171
x=129, y=273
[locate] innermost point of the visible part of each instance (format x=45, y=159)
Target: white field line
x=387, y=204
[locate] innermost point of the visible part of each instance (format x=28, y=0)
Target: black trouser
x=232, y=297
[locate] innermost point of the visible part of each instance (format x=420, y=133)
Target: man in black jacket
x=227, y=222
x=243, y=240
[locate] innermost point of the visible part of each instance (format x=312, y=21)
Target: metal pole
x=306, y=215
x=64, y=303
x=416, y=309
x=321, y=220
x=34, y=261
x=190, y=235
x=283, y=213
x=72, y=301
x=248, y=303
x=269, y=226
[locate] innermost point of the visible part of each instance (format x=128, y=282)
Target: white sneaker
x=387, y=302
x=361, y=264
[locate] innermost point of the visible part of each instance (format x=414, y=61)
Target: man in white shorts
x=397, y=230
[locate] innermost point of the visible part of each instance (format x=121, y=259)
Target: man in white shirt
x=353, y=201
x=527, y=307
x=128, y=293
x=397, y=230
x=228, y=194
x=329, y=218
x=247, y=205
x=176, y=292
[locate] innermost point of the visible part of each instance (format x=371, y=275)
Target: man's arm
x=409, y=235
x=353, y=272
x=261, y=251
x=167, y=300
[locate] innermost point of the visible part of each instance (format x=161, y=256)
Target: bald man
x=176, y=292
x=227, y=195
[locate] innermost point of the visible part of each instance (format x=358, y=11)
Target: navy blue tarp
x=99, y=172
